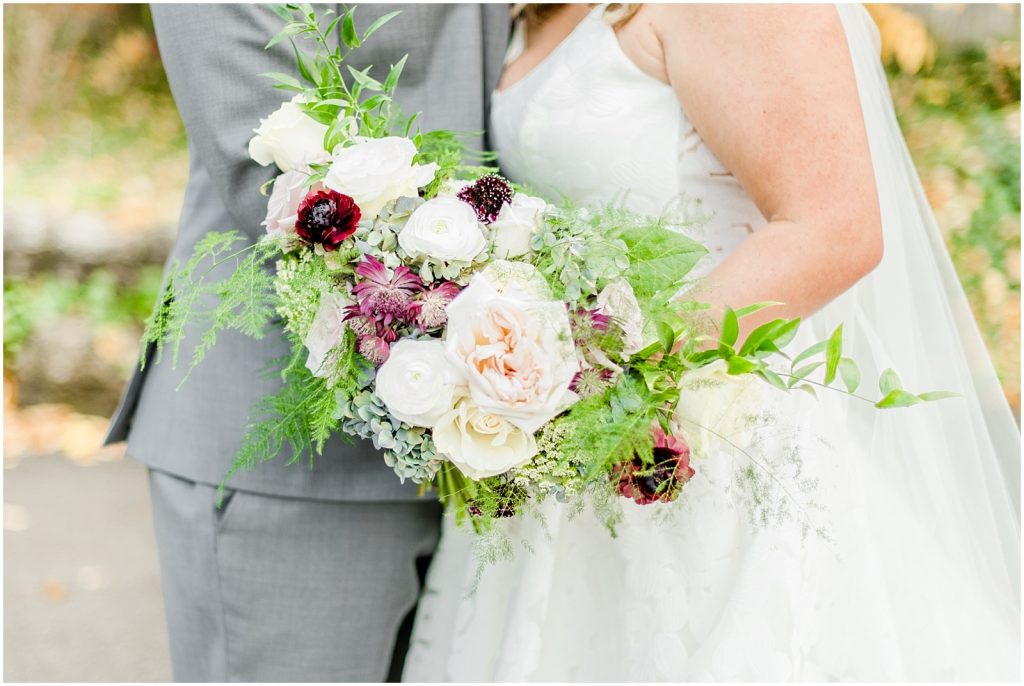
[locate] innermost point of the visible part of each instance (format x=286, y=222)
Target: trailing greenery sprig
x=242, y=301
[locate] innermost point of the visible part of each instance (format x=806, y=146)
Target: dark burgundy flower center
x=321, y=215
x=487, y=195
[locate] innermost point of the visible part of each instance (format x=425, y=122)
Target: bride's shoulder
x=727, y=23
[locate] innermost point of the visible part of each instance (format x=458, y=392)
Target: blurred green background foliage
x=95, y=160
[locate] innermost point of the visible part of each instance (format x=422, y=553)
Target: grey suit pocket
x=228, y=505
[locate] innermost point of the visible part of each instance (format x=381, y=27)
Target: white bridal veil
x=957, y=461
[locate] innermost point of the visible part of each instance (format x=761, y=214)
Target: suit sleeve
x=212, y=54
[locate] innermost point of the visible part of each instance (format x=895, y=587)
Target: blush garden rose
x=514, y=352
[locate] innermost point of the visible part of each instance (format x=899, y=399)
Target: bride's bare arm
x=771, y=90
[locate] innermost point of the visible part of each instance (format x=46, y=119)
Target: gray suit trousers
x=272, y=588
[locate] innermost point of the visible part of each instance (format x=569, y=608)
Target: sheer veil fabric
x=920, y=577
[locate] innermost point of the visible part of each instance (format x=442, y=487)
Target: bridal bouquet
x=494, y=347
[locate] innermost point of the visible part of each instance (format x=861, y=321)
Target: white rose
x=325, y=333
x=714, y=405
x=288, y=138
x=480, y=443
x=515, y=225
x=443, y=228
x=618, y=301
x=515, y=352
x=376, y=171
x=413, y=382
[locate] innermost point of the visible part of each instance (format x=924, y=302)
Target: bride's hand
x=772, y=92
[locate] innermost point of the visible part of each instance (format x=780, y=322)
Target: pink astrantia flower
x=586, y=323
x=382, y=295
x=658, y=482
x=428, y=309
x=591, y=381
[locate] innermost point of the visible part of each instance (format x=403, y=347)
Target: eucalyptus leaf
x=898, y=398
x=282, y=11
x=756, y=307
x=348, y=31
x=379, y=23
x=888, y=382
x=772, y=378
x=809, y=352
x=931, y=396
x=364, y=80
x=802, y=373
x=666, y=335
x=303, y=70
x=849, y=373
x=740, y=365
x=394, y=74
x=730, y=327
x=833, y=353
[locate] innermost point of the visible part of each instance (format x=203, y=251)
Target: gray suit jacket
x=212, y=55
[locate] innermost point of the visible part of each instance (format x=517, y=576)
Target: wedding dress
x=916, y=576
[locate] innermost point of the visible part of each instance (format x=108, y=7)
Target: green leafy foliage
x=299, y=418
x=242, y=301
x=659, y=258
x=350, y=102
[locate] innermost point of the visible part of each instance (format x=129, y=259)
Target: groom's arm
x=212, y=55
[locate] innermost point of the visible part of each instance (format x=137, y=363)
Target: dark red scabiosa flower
x=428, y=311
x=327, y=218
x=658, y=482
x=486, y=195
x=382, y=295
x=591, y=381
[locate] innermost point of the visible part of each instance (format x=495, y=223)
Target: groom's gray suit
x=306, y=573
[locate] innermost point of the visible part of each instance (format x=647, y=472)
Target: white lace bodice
x=588, y=124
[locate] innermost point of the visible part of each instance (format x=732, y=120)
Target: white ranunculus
x=618, y=301
x=515, y=352
x=413, y=383
x=325, y=333
x=718, y=410
x=515, y=225
x=378, y=170
x=481, y=443
x=288, y=138
x=443, y=228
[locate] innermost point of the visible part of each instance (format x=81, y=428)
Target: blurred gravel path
x=82, y=597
